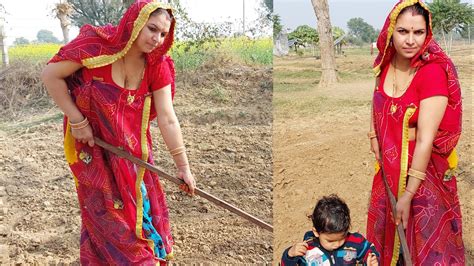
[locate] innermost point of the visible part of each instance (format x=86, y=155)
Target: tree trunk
x=63, y=12
x=65, y=24
x=450, y=42
x=328, y=61
x=3, y=45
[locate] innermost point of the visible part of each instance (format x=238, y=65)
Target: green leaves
x=361, y=30
x=305, y=34
x=448, y=15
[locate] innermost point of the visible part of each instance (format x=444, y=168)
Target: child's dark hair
x=331, y=215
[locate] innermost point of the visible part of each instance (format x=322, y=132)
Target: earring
x=390, y=43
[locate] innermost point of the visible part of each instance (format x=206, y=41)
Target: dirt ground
x=225, y=114
x=320, y=144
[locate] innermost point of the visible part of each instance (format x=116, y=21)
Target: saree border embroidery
x=102, y=60
x=141, y=174
x=69, y=145
x=70, y=150
x=452, y=166
x=393, y=20
x=403, y=173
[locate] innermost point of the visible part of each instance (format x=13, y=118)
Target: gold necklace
x=394, y=106
x=130, y=97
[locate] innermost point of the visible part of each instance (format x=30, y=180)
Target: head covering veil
x=430, y=53
x=97, y=46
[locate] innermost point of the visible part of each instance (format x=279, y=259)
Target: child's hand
x=298, y=249
x=372, y=260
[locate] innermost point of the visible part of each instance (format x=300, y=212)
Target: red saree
x=112, y=190
x=434, y=232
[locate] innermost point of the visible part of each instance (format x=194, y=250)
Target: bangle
x=416, y=174
x=371, y=134
x=409, y=191
x=84, y=123
x=177, y=151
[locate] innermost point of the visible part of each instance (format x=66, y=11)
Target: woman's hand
x=184, y=173
x=298, y=249
x=374, y=147
x=84, y=135
x=403, y=209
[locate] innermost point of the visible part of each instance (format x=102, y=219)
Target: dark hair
x=417, y=9
x=162, y=11
x=331, y=215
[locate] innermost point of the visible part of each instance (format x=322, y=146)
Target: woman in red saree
x=110, y=82
x=416, y=124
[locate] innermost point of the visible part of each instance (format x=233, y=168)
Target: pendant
x=130, y=99
x=393, y=108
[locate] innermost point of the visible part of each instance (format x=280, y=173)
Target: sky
x=294, y=13
x=26, y=17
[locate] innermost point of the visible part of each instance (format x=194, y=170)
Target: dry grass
x=21, y=88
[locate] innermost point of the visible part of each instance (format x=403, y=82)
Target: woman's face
x=153, y=33
x=409, y=34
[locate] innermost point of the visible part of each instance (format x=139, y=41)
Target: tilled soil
x=225, y=114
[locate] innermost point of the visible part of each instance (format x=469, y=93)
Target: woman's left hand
x=403, y=210
x=189, y=185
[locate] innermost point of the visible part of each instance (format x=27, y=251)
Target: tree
x=128, y=3
x=277, y=27
x=46, y=36
x=449, y=16
x=3, y=46
x=263, y=24
x=63, y=11
x=21, y=41
x=337, y=32
x=97, y=12
x=338, y=35
x=305, y=34
x=328, y=61
x=269, y=5
x=362, y=30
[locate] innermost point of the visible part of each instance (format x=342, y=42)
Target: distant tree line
x=448, y=17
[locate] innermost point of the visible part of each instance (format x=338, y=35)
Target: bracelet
x=371, y=134
x=84, y=123
x=177, y=151
x=409, y=191
x=416, y=174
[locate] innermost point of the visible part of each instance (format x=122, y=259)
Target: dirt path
x=320, y=147
x=225, y=113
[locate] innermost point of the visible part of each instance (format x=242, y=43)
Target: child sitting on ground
x=330, y=242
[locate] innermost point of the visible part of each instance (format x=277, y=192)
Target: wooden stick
x=178, y=181
x=400, y=229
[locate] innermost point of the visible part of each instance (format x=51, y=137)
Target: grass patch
x=190, y=56
x=8, y=126
x=282, y=73
x=293, y=87
x=288, y=107
x=219, y=94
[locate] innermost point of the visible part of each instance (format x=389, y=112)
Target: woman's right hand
x=84, y=135
x=374, y=147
